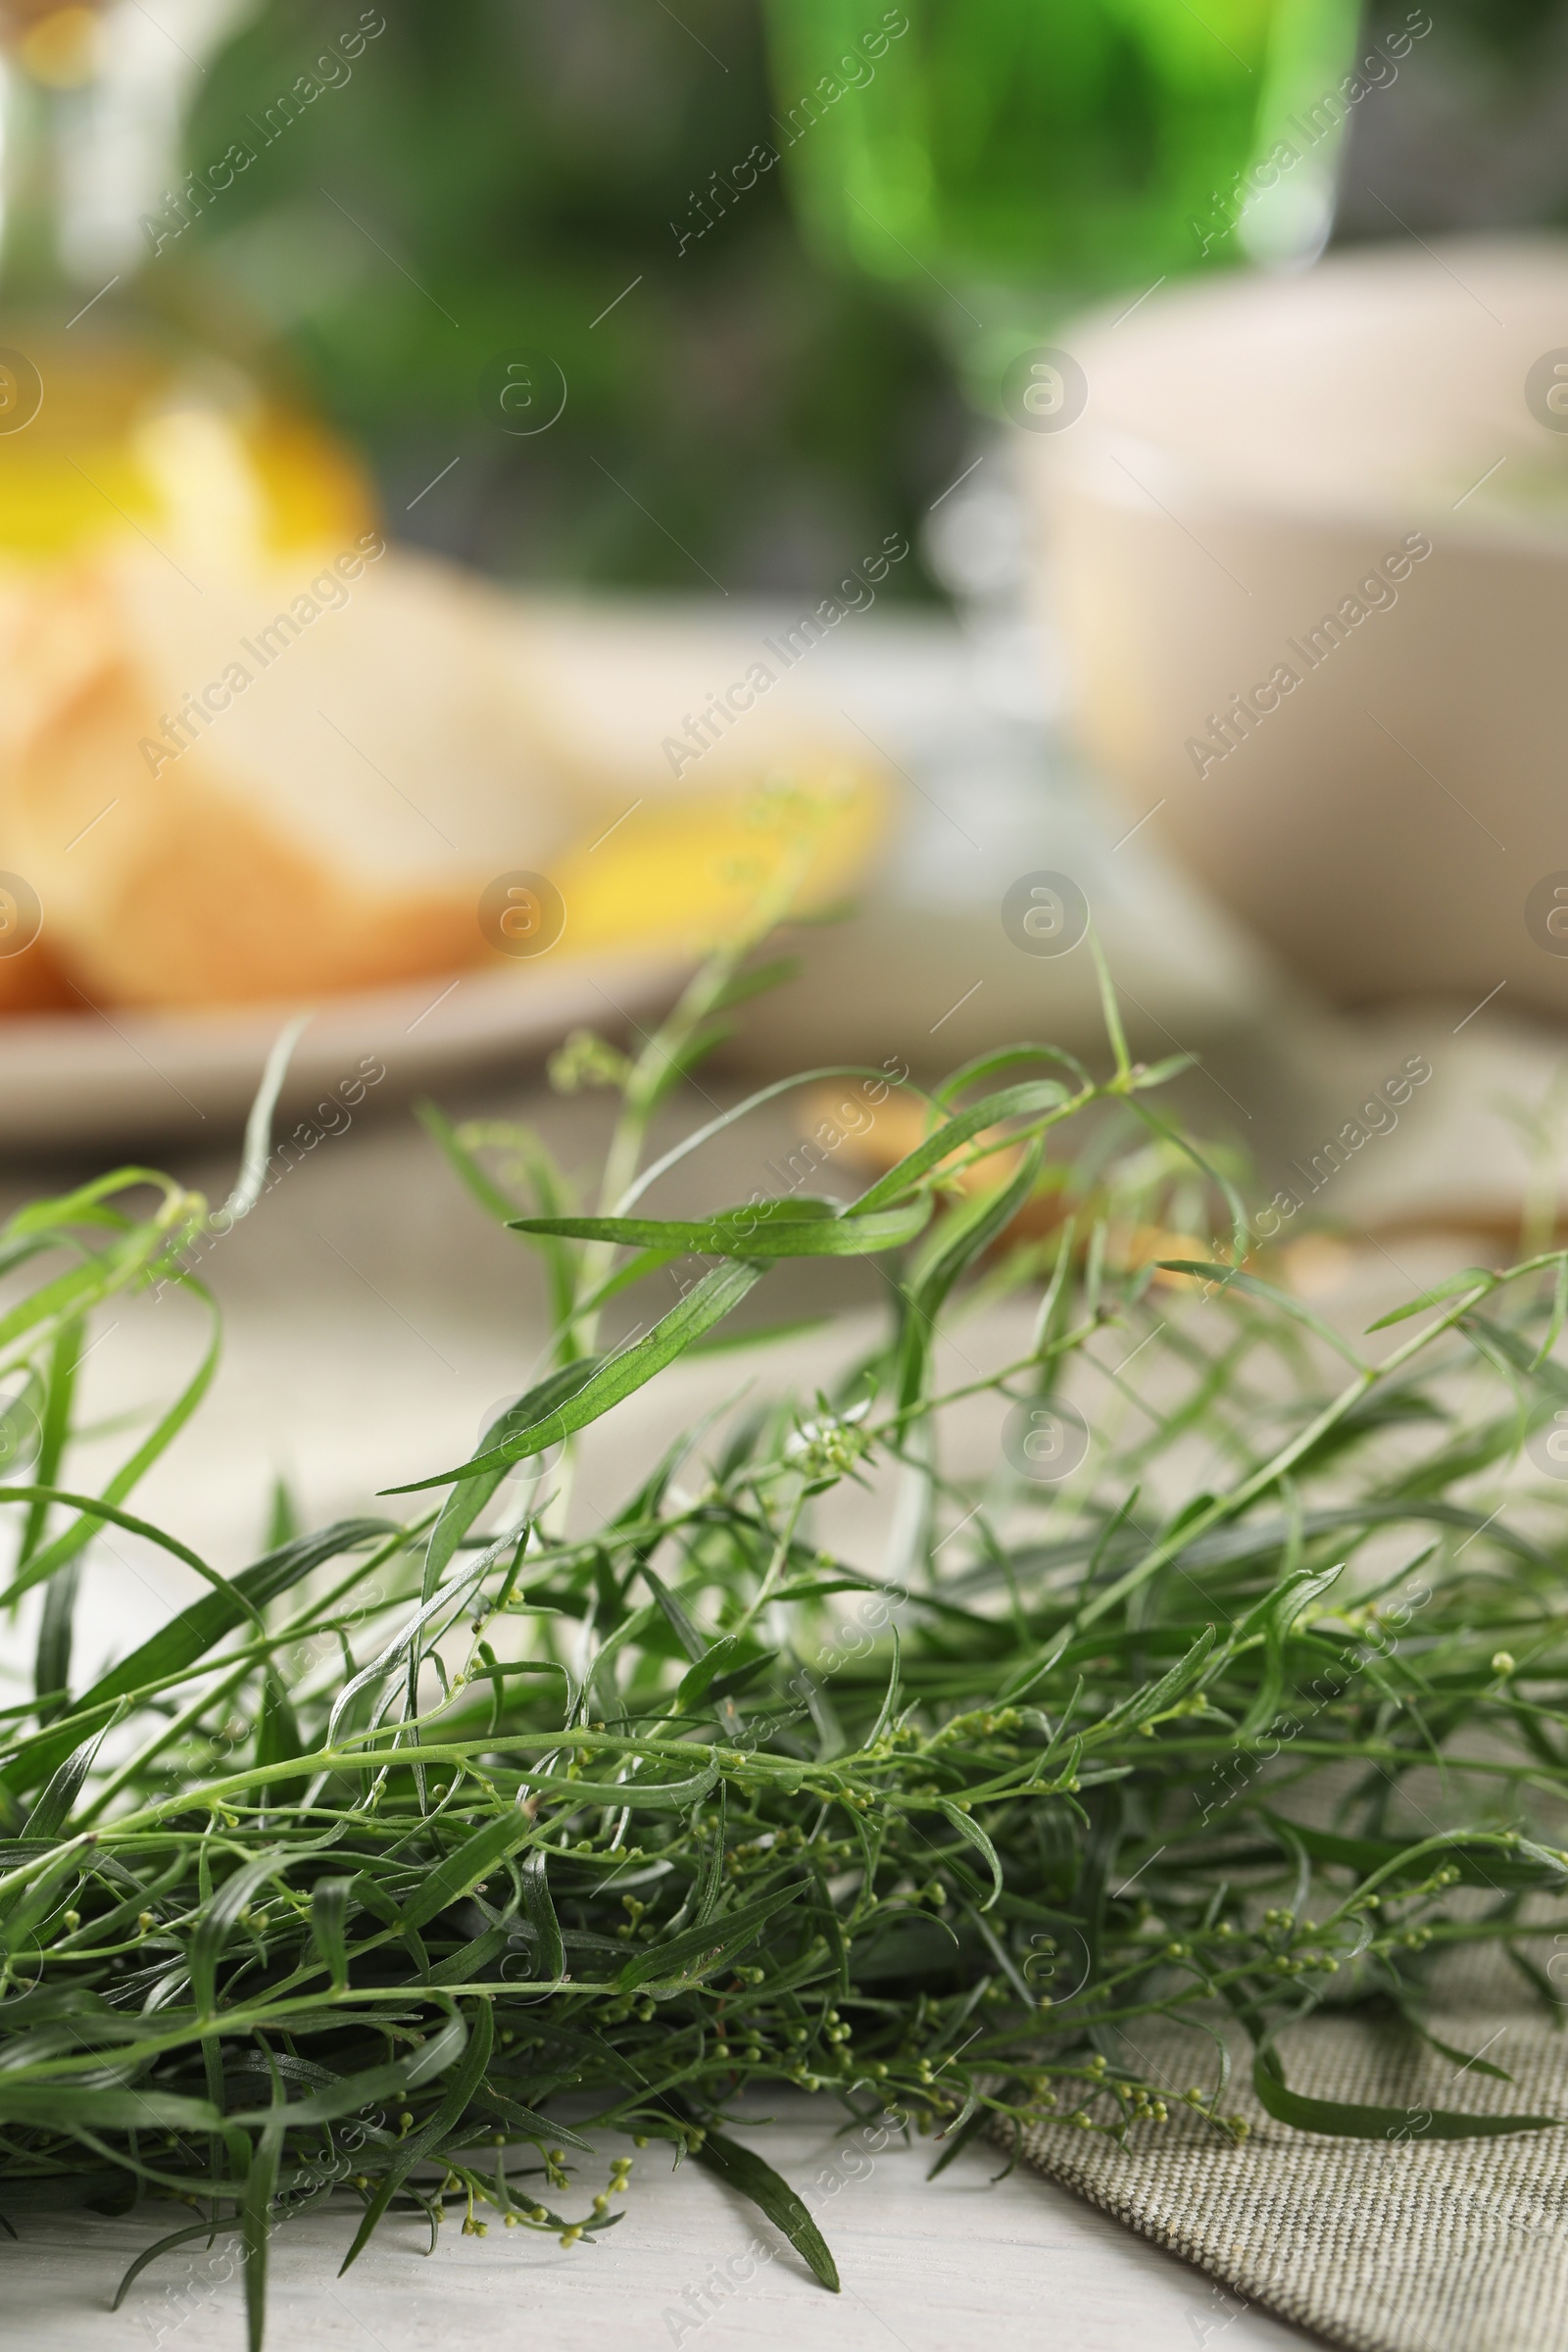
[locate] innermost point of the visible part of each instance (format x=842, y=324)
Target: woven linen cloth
x=1399, y=2246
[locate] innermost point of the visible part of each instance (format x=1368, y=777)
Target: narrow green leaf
x=545, y=2128
x=1232, y=1278
x=729, y=1118
x=1516, y=1867
x=373, y=2087
x=283, y=1522
x=256, y=2213
x=957, y=2138
x=724, y=1669
x=683, y=1959
x=1350, y=2120
x=1028, y=1100
x=1111, y=1010
x=471, y=1961
x=1468, y=1278
x=956, y=1245
x=992, y=1065
x=887, y=1714
x=1274, y=1617
x=782, y=1228
x=52, y=1811
x=446, y=1600
x=1559, y=1314
x=455, y=2101
x=972, y=1830
x=257, y=1148
x=474, y=1859
x=466, y=1501
x=705, y=1303
x=1466, y=2061
x=643, y=1794
x=773, y=2196
x=59, y=1391
x=98, y=1511
x=165, y=2245
x=196, y=1629
x=1160, y=1073
x=442, y=2051
x=550, y=1953
x=134, y=1469
x=680, y=1625
x=218, y=1919
x=1144, y=1705
x=329, y=1910
x=468, y=1169
x=61, y=2107
x=277, y=1731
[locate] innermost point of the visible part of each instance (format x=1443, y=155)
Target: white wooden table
x=926, y=2266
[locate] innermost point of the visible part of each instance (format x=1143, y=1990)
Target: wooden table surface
x=967, y=2259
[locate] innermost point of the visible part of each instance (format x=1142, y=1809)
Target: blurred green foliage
x=1470, y=137
x=1512, y=31
x=494, y=173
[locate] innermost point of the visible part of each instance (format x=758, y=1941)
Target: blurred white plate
x=923, y=971
x=115, y=1076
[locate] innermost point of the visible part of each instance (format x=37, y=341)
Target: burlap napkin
x=1410, y=2245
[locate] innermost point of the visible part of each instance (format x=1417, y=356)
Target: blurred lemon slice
x=690, y=873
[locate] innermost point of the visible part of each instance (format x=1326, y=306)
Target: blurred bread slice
x=254, y=789
x=30, y=977
x=34, y=982
x=324, y=816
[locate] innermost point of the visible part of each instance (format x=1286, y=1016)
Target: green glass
x=1007, y=162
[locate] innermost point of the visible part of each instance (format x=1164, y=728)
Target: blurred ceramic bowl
x=1308, y=547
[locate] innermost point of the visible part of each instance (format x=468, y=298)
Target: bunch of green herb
x=388, y=1845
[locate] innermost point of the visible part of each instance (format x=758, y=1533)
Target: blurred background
x=489, y=490
x=778, y=388
x=1049, y=372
